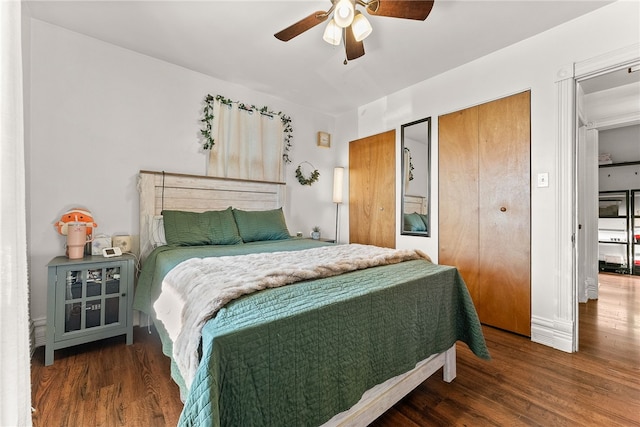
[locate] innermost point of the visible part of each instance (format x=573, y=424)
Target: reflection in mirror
x=416, y=158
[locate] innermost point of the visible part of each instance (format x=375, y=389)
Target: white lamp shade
x=361, y=27
x=338, y=181
x=332, y=33
x=344, y=13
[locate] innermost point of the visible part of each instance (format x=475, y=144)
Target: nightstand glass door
x=92, y=299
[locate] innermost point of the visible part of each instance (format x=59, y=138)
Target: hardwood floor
x=530, y=384
x=106, y=383
x=111, y=384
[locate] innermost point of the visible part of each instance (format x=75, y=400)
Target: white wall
x=418, y=185
x=100, y=113
x=603, y=107
x=533, y=65
x=623, y=144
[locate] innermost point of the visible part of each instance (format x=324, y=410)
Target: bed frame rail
x=377, y=400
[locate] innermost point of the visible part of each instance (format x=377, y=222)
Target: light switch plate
x=543, y=179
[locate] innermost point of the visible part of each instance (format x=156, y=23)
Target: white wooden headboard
x=195, y=193
x=415, y=204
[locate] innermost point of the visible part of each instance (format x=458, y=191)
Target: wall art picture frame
x=324, y=139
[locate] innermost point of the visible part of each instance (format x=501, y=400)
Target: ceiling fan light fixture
x=344, y=13
x=332, y=33
x=361, y=27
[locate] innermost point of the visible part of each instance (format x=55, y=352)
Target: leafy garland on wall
x=207, y=119
x=411, y=168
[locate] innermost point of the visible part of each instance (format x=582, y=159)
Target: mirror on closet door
x=416, y=160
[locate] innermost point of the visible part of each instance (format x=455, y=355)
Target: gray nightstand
x=88, y=299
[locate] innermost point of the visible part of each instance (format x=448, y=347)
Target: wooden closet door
x=458, y=194
x=372, y=190
x=504, y=140
x=485, y=209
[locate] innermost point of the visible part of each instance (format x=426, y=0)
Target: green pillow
x=413, y=222
x=425, y=220
x=224, y=230
x=206, y=228
x=261, y=225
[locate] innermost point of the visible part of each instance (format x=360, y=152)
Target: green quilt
x=297, y=355
x=164, y=258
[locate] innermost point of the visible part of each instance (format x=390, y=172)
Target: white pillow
x=156, y=231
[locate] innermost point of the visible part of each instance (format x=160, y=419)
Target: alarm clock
x=111, y=252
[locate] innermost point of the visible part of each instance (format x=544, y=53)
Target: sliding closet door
x=458, y=194
x=484, y=207
x=372, y=190
x=505, y=206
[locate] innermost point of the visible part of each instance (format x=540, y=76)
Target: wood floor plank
x=108, y=383
x=597, y=386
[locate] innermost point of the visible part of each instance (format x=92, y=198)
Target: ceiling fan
x=353, y=24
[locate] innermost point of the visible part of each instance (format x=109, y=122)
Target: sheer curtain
x=249, y=144
x=15, y=389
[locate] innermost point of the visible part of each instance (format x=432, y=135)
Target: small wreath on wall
x=303, y=180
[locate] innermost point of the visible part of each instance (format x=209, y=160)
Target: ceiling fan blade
x=302, y=25
x=407, y=9
x=353, y=48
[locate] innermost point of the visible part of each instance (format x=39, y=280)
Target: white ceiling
x=233, y=41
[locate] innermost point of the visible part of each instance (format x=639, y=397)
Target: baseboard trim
x=553, y=333
x=39, y=332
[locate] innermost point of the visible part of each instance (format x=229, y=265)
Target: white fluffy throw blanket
x=202, y=286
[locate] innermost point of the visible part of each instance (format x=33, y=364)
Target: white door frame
x=565, y=325
x=587, y=212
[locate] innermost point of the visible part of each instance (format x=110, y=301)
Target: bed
x=415, y=219
x=329, y=348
